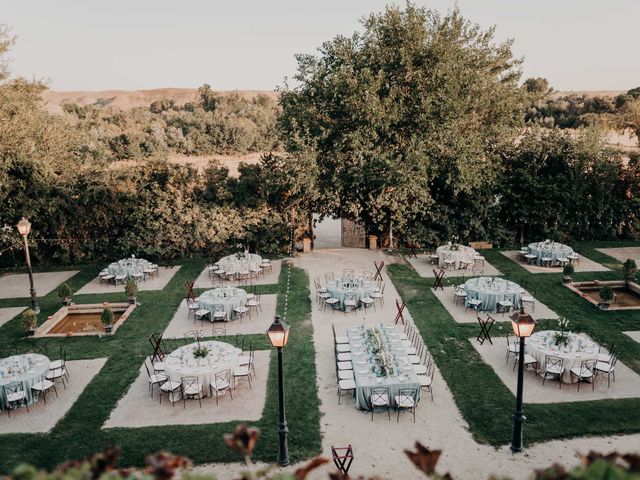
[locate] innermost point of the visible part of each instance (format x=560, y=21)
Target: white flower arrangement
x=379, y=353
x=562, y=338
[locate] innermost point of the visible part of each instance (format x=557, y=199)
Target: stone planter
x=306, y=245
x=567, y=279
x=373, y=242
x=604, y=305
x=108, y=328
x=66, y=301
x=132, y=300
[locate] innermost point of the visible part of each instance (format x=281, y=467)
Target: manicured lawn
x=79, y=433
x=483, y=399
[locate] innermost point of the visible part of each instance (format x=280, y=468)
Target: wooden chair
x=15, y=395
x=406, y=400
x=379, y=398
x=220, y=385
x=191, y=389
x=342, y=458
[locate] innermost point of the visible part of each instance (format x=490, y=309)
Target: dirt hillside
x=135, y=98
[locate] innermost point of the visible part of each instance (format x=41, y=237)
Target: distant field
x=135, y=98
x=201, y=161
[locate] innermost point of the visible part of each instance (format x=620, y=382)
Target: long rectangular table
x=364, y=365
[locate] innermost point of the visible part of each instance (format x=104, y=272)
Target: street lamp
x=24, y=227
x=523, y=325
x=278, y=334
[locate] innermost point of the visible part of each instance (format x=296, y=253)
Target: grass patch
x=79, y=433
x=485, y=402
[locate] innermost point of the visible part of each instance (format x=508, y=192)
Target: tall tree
x=403, y=120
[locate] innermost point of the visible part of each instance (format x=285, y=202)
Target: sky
x=250, y=45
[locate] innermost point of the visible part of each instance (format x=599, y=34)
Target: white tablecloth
x=463, y=254
x=490, y=290
x=27, y=369
x=580, y=348
x=552, y=250
x=180, y=363
x=342, y=286
x=236, y=264
x=403, y=377
x=129, y=266
x=230, y=297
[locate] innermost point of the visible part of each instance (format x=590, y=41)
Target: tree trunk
x=310, y=228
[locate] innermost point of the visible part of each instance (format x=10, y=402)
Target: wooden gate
x=353, y=234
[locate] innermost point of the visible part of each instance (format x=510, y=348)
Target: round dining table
x=552, y=251
x=461, y=253
x=27, y=369
x=340, y=287
x=229, y=297
x=129, y=267
x=580, y=348
x=491, y=290
x=181, y=362
x=239, y=263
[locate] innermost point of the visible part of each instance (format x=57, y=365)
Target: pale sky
x=139, y=44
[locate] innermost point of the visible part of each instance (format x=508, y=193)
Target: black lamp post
x=278, y=334
x=24, y=227
x=523, y=325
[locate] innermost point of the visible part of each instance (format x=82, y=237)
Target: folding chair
x=485, y=329
x=342, y=458
x=378, y=275
x=399, y=316
x=439, y=276
x=155, y=339
x=412, y=250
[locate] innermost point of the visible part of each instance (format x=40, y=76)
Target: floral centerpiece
x=379, y=353
x=562, y=337
x=454, y=244
x=200, y=352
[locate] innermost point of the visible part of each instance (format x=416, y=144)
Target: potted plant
x=107, y=318
x=606, y=296
x=64, y=293
x=131, y=289
x=567, y=271
x=630, y=268
x=30, y=321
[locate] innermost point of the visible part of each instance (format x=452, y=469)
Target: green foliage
x=29, y=319
x=64, y=291
x=559, y=185
x=402, y=120
x=131, y=288
x=106, y=317
x=606, y=293
x=568, y=269
x=630, y=268
x=217, y=124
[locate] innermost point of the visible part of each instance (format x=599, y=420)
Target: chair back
x=333, y=328
x=586, y=368
x=222, y=377
x=553, y=362
x=348, y=273
x=329, y=276
x=367, y=275
x=613, y=359
x=219, y=332
x=146, y=367
x=218, y=308
x=189, y=383
x=350, y=297
x=379, y=396
x=407, y=395
x=13, y=388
